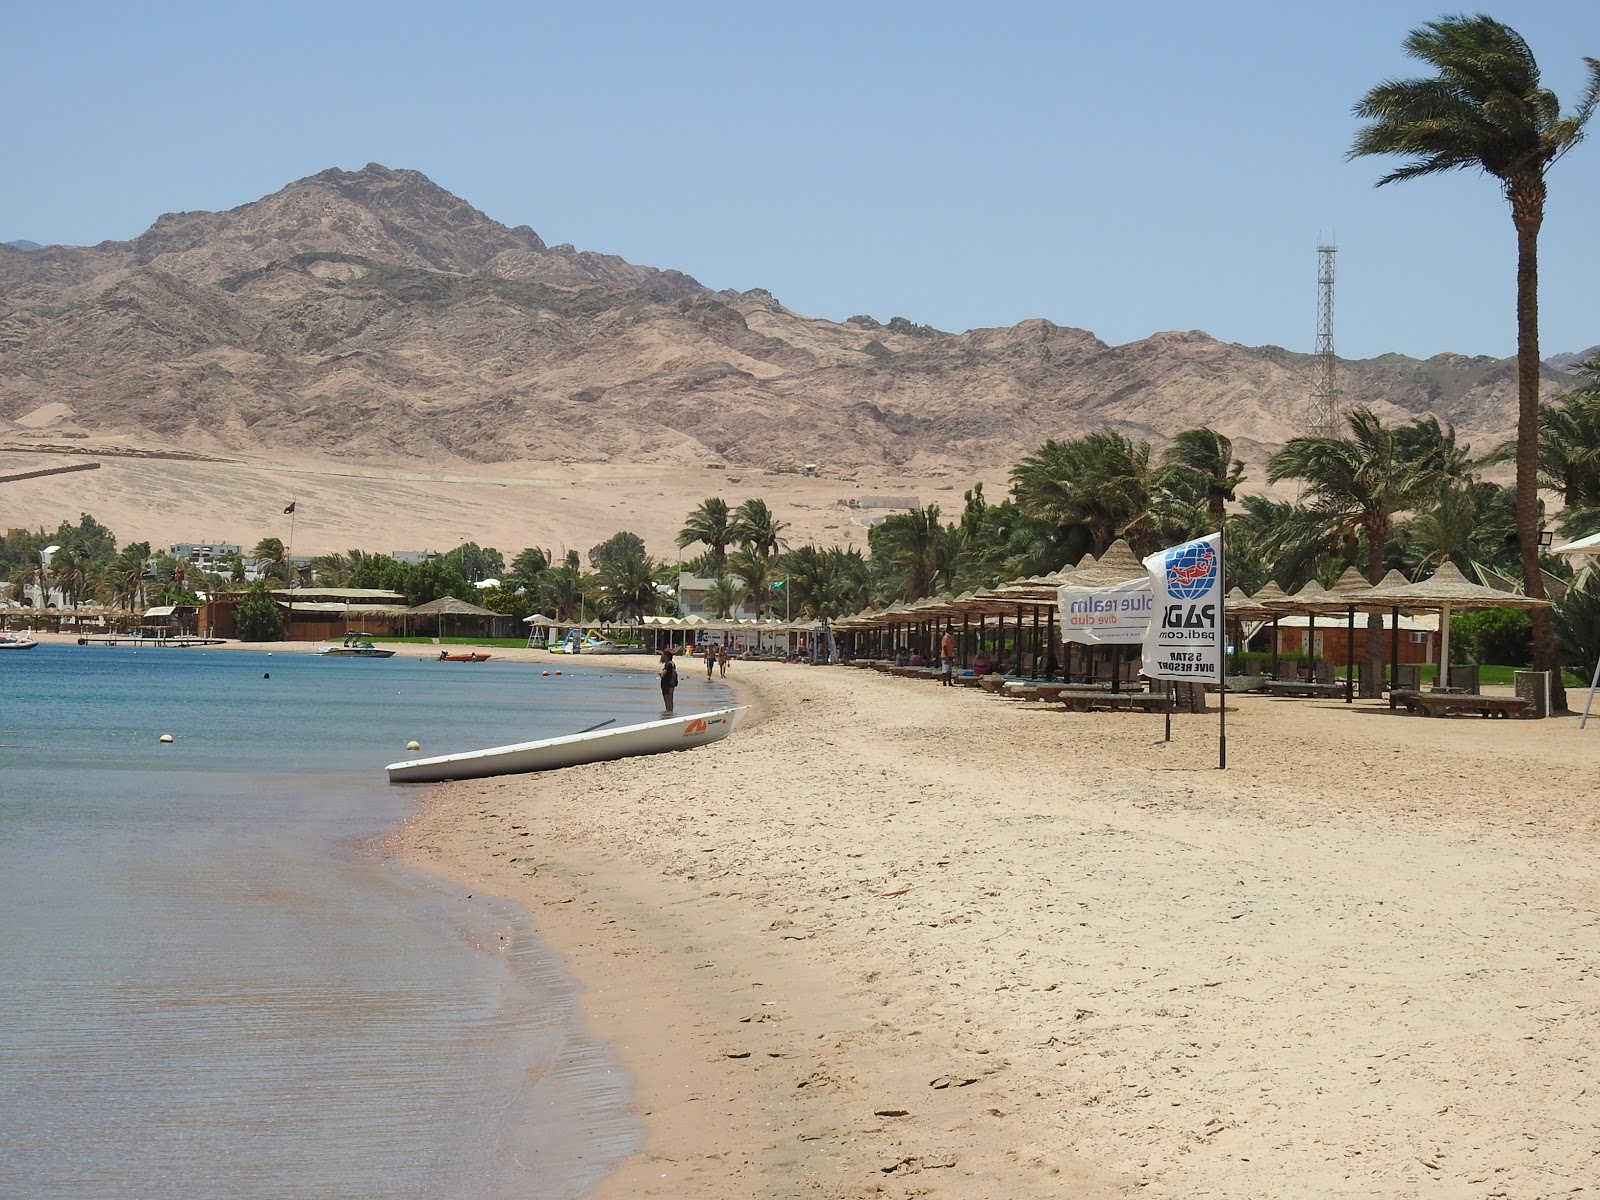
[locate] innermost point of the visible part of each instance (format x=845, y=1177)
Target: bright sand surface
x=894, y=940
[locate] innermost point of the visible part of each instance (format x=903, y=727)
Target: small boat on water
x=578, y=642
x=470, y=656
x=591, y=745
x=16, y=641
x=355, y=646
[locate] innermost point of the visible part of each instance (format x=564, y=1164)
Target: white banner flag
x=1106, y=616
x=1184, y=640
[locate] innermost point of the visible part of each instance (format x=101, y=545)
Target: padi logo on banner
x=1185, y=641
x=1191, y=570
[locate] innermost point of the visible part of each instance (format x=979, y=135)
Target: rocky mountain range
x=372, y=316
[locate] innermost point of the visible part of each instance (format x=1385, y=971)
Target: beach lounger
x=1445, y=704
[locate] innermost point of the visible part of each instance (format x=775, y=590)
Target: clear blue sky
x=1122, y=168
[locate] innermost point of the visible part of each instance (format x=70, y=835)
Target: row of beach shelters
x=769, y=637
x=1016, y=624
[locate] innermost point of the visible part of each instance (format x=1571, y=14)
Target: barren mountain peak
x=372, y=314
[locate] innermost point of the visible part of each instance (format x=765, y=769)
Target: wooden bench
x=1302, y=688
x=1113, y=701
x=1428, y=704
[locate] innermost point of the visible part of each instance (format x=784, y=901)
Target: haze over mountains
x=373, y=316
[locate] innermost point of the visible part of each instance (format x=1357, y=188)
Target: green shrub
x=1496, y=635
x=258, y=617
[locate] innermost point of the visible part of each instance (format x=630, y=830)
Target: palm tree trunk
x=1527, y=213
x=1372, y=677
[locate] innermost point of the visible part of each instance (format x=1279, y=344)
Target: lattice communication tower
x=1327, y=417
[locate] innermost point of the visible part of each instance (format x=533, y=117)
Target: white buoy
x=413, y=745
x=166, y=737
x=546, y=674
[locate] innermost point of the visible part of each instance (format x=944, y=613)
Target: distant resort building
x=215, y=557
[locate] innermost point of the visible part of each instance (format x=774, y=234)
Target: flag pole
x=288, y=561
x=1222, y=673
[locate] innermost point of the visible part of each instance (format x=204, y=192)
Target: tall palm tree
x=1101, y=481
x=710, y=524
x=756, y=529
x=1354, y=488
x=1486, y=109
x=1205, y=458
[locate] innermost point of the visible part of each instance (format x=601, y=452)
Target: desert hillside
x=369, y=324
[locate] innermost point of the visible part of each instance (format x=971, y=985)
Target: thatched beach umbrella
x=449, y=606
x=1446, y=590
x=1307, y=602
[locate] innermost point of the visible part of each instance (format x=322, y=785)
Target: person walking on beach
x=722, y=660
x=711, y=660
x=669, y=679
x=947, y=660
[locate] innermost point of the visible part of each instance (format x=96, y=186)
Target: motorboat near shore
x=355, y=646
x=16, y=641
x=591, y=745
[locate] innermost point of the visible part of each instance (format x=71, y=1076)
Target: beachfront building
x=1418, y=641
x=314, y=614
x=694, y=596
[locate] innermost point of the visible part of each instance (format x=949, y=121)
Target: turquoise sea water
x=209, y=986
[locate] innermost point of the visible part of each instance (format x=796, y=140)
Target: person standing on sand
x=722, y=659
x=711, y=660
x=669, y=679
x=947, y=660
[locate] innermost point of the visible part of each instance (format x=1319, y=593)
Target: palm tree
x=1470, y=523
x=330, y=570
x=1569, y=456
x=1100, y=481
x=828, y=583
x=1205, y=458
x=725, y=595
x=561, y=592
x=910, y=543
x=1354, y=488
x=1485, y=109
x=127, y=574
x=710, y=524
x=756, y=571
x=630, y=584
x=270, y=550
x=755, y=528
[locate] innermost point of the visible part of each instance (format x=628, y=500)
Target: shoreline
x=898, y=940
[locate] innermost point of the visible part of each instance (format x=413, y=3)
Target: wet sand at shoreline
x=896, y=940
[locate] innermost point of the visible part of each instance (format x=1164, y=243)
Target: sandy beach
x=893, y=940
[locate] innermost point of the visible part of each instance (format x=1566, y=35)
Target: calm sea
x=208, y=985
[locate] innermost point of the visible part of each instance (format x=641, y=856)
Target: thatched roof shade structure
x=1446, y=590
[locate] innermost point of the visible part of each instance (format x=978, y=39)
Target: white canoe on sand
x=598, y=745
